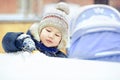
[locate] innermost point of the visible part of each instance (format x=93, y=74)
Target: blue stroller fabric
x=96, y=34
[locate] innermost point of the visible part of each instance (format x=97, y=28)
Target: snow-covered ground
x=37, y=66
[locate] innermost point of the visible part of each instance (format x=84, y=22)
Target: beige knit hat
x=58, y=18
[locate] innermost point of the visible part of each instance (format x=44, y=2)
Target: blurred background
x=19, y=15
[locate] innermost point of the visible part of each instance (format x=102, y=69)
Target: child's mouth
x=49, y=41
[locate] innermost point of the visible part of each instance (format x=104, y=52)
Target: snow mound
x=37, y=66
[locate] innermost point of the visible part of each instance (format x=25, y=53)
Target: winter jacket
x=9, y=45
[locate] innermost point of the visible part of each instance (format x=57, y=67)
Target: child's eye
x=48, y=30
x=58, y=35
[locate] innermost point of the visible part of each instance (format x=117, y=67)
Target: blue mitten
x=25, y=43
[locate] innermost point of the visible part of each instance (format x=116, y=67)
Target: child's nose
x=51, y=35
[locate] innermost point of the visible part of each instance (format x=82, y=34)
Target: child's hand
x=25, y=42
x=28, y=45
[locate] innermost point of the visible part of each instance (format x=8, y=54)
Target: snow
x=37, y=66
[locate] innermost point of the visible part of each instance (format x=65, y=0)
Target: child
x=49, y=36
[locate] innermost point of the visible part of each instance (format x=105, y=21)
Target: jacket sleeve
x=8, y=41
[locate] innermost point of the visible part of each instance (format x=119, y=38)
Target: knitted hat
x=56, y=17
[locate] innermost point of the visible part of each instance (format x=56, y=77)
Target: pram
x=96, y=34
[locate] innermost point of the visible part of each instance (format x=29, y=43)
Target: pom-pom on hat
x=57, y=17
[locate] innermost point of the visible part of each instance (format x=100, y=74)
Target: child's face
x=50, y=36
